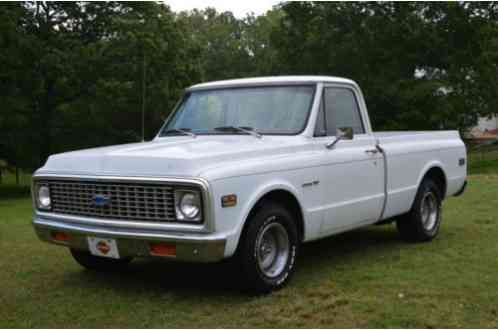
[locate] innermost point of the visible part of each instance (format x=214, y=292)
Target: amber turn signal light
x=163, y=249
x=60, y=236
x=229, y=200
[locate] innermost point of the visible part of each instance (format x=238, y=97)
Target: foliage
x=77, y=71
x=77, y=74
x=421, y=65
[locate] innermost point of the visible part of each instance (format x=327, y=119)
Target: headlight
x=188, y=205
x=43, y=198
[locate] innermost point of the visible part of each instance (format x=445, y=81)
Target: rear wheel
x=268, y=248
x=91, y=262
x=423, y=221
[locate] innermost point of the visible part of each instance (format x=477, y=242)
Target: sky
x=237, y=7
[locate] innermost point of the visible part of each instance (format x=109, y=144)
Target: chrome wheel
x=272, y=249
x=429, y=209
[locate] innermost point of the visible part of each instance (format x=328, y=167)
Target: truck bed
x=409, y=154
x=389, y=136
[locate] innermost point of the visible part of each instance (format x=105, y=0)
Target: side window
x=341, y=110
x=320, y=128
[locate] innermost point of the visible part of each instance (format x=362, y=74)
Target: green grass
x=365, y=278
x=483, y=160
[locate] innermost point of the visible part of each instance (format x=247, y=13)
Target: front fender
x=259, y=193
x=251, y=190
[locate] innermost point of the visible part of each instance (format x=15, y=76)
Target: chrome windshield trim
x=208, y=224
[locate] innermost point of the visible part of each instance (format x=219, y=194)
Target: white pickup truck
x=250, y=169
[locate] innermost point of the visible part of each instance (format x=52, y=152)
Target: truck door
x=352, y=172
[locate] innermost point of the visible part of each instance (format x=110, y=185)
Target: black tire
x=269, y=217
x=415, y=226
x=101, y=264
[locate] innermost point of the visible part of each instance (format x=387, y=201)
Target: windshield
x=267, y=110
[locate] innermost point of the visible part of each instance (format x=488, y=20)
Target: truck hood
x=180, y=156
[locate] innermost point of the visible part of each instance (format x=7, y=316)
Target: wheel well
x=286, y=199
x=437, y=175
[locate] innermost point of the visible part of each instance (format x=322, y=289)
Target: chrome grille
x=125, y=201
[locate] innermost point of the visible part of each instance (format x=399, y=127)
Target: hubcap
x=272, y=249
x=429, y=211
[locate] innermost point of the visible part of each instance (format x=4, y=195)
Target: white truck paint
x=353, y=184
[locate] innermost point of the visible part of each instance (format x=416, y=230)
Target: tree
x=421, y=65
x=76, y=68
x=77, y=74
x=15, y=118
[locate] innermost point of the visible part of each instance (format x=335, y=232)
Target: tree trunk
x=17, y=175
x=47, y=111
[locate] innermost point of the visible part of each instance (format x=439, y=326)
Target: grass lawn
x=365, y=278
x=483, y=160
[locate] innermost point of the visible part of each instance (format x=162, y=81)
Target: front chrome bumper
x=134, y=242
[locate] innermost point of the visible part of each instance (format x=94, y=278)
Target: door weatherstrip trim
x=384, y=158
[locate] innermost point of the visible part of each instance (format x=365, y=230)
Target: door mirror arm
x=343, y=133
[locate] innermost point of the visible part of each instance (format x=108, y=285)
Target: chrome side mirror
x=343, y=133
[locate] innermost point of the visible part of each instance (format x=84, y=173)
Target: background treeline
x=76, y=74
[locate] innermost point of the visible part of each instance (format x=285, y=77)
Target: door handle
x=372, y=151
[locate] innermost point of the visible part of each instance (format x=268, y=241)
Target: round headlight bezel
x=188, y=206
x=43, y=199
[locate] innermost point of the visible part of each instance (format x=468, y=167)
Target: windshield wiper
x=184, y=131
x=241, y=129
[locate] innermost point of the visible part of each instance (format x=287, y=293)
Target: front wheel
x=95, y=263
x=268, y=248
x=424, y=219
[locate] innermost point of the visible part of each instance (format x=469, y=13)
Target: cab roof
x=275, y=80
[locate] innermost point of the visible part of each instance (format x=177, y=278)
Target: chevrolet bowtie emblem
x=101, y=200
